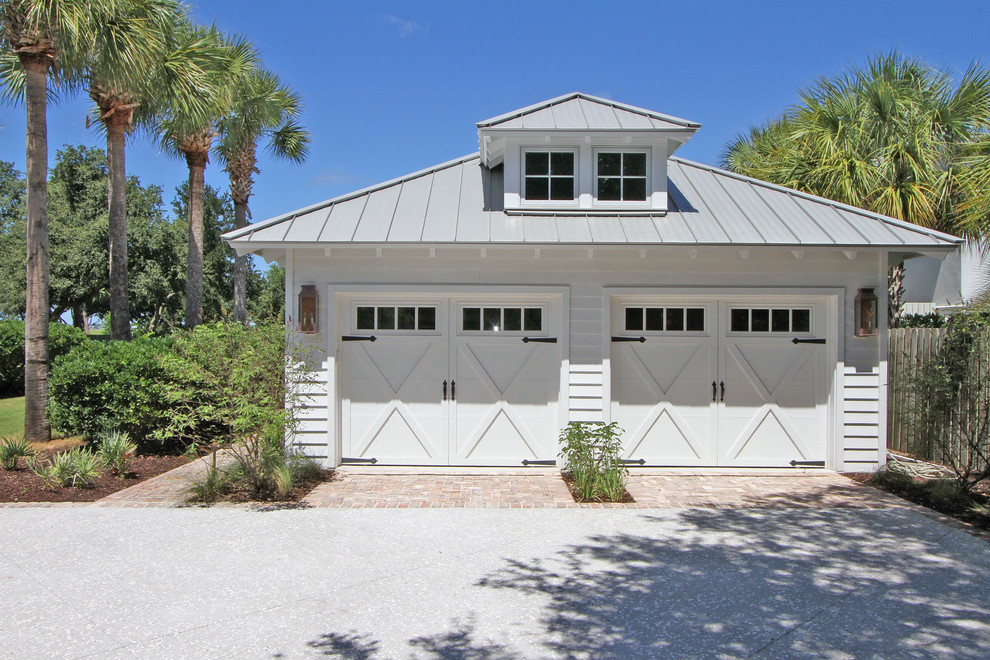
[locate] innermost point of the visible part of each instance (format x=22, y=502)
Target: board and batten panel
x=861, y=436
x=588, y=272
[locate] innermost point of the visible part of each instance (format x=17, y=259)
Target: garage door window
x=665, y=319
x=395, y=317
x=502, y=319
x=769, y=320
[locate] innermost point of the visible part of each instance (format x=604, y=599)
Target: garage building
x=574, y=269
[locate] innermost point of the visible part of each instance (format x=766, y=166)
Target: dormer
x=580, y=154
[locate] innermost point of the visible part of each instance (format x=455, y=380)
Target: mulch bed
x=22, y=485
x=917, y=492
x=300, y=489
x=575, y=493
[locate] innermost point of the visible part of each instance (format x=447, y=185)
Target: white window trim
x=668, y=333
x=394, y=331
x=549, y=203
x=619, y=203
x=459, y=319
x=729, y=332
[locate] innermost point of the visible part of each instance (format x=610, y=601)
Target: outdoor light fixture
x=309, y=309
x=866, y=313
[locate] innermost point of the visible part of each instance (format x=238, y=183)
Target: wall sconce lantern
x=866, y=313
x=309, y=309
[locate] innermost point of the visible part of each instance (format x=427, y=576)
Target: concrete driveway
x=231, y=582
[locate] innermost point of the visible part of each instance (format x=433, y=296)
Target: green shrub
x=893, y=481
x=215, y=384
x=77, y=467
x=947, y=495
x=263, y=470
x=112, y=384
x=115, y=451
x=227, y=382
x=13, y=448
x=261, y=464
x=592, y=457
x=931, y=320
x=61, y=340
x=304, y=468
x=951, y=392
x=213, y=485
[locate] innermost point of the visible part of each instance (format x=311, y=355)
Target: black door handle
x=714, y=390
x=721, y=385
x=453, y=391
x=358, y=338
x=444, y=390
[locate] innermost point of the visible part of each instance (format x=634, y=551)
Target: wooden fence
x=909, y=348
x=961, y=430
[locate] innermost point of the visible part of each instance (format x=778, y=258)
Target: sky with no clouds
x=390, y=88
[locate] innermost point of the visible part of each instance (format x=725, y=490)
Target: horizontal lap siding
x=312, y=413
x=861, y=420
x=585, y=394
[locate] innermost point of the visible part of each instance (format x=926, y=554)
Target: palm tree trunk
x=120, y=313
x=36, y=427
x=895, y=294
x=194, y=261
x=240, y=267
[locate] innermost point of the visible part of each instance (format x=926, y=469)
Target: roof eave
x=247, y=246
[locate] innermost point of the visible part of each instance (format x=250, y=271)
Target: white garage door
x=449, y=382
x=720, y=382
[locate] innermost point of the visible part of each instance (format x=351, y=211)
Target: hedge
x=62, y=338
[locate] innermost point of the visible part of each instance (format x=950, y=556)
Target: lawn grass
x=12, y=424
x=12, y=417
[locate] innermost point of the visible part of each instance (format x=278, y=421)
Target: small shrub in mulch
x=22, y=485
x=242, y=494
x=593, y=467
x=572, y=486
x=263, y=470
x=942, y=495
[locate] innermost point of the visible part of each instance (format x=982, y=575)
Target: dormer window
x=549, y=176
x=620, y=176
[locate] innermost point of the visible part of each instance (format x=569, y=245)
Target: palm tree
x=264, y=109
x=38, y=38
x=890, y=138
x=131, y=63
x=187, y=130
x=887, y=138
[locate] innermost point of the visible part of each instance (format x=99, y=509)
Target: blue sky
x=390, y=88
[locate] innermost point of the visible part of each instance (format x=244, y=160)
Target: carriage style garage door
x=449, y=381
x=733, y=382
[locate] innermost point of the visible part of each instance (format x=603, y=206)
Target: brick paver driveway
x=546, y=490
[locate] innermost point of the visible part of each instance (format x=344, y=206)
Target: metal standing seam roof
x=577, y=111
x=708, y=206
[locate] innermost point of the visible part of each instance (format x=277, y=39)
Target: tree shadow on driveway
x=741, y=583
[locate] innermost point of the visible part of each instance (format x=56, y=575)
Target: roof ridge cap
x=821, y=200
x=529, y=109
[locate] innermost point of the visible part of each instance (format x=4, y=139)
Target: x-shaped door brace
x=660, y=394
x=770, y=406
x=395, y=404
x=500, y=396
